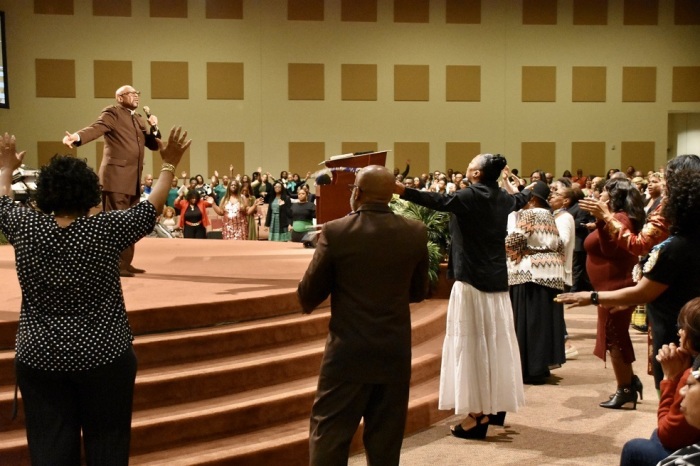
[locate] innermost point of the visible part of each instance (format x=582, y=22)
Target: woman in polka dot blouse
x=74, y=358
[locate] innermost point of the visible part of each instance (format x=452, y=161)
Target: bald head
x=376, y=184
x=127, y=97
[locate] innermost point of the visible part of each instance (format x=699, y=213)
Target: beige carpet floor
x=561, y=422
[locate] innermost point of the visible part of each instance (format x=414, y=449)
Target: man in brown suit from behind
x=122, y=161
x=372, y=263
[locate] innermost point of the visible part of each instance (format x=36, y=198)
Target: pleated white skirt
x=480, y=358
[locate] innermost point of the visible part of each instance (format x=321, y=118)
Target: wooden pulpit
x=333, y=199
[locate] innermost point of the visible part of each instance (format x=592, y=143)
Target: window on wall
x=4, y=98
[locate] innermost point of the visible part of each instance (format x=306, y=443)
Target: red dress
x=609, y=267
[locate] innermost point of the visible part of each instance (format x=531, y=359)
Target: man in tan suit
x=122, y=162
x=372, y=263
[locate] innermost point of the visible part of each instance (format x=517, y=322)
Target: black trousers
x=59, y=405
x=336, y=414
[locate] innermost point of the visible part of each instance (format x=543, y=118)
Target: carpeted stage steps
x=235, y=393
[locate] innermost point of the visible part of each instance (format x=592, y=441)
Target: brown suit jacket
x=125, y=137
x=373, y=263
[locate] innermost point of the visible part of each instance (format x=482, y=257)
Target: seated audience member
x=537, y=175
x=548, y=178
x=673, y=430
x=579, y=178
x=690, y=406
x=169, y=222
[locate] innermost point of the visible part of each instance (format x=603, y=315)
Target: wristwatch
x=594, y=298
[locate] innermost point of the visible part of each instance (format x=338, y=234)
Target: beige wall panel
x=111, y=8
x=170, y=80
x=463, y=83
x=539, y=11
x=687, y=12
x=47, y=149
x=55, y=78
x=168, y=8
x=417, y=152
x=588, y=84
x=306, y=81
x=111, y=75
x=411, y=11
x=305, y=10
x=358, y=82
x=358, y=10
x=639, y=154
x=412, y=82
x=590, y=12
x=459, y=154
x=225, y=81
x=639, y=84
x=686, y=83
x=53, y=7
x=641, y=13
x=537, y=156
x=463, y=12
x=224, y=9
x=589, y=157
x=539, y=84
x=355, y=146
x=305, y=157
x=221, y=155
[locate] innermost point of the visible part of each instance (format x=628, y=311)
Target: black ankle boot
x=622, y=396
x=637, y=386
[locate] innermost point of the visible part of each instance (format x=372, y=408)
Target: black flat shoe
x=621, y=397
x=476, y=432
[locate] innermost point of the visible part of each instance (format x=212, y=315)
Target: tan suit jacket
x=125, y=137
x=373, y=263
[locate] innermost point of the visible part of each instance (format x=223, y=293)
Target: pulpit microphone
x=147, y=111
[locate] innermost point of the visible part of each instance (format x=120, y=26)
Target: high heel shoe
x=476, y=432
x=622, y=396
x=637, y=386
x=497, y=419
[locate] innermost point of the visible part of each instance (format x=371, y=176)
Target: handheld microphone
x=147, y=111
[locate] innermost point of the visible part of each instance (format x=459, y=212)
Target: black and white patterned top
x=73, y=315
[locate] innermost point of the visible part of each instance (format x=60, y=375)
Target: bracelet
x=594, y=298
x=168, y=167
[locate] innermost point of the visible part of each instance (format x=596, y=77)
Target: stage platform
x=183, y=275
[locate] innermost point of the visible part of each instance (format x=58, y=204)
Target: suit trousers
x=58, y=405
x=120, y=201
x=336, y=413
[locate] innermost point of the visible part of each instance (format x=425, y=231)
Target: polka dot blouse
x=73, y=316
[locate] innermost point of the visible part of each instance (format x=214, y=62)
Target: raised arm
x=10, y=160
x=171, y=155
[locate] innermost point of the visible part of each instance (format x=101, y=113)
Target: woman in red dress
x=610, y=268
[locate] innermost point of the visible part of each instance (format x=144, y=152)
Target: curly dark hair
x=67, y=184
x=625, y=197
x=682, y=207
x=193, y=194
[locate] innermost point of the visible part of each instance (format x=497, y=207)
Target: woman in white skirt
x=481, y=372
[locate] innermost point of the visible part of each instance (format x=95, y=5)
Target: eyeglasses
x=352, y=187
x=131, y=92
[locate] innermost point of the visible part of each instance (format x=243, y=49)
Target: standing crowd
x=519, y=251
